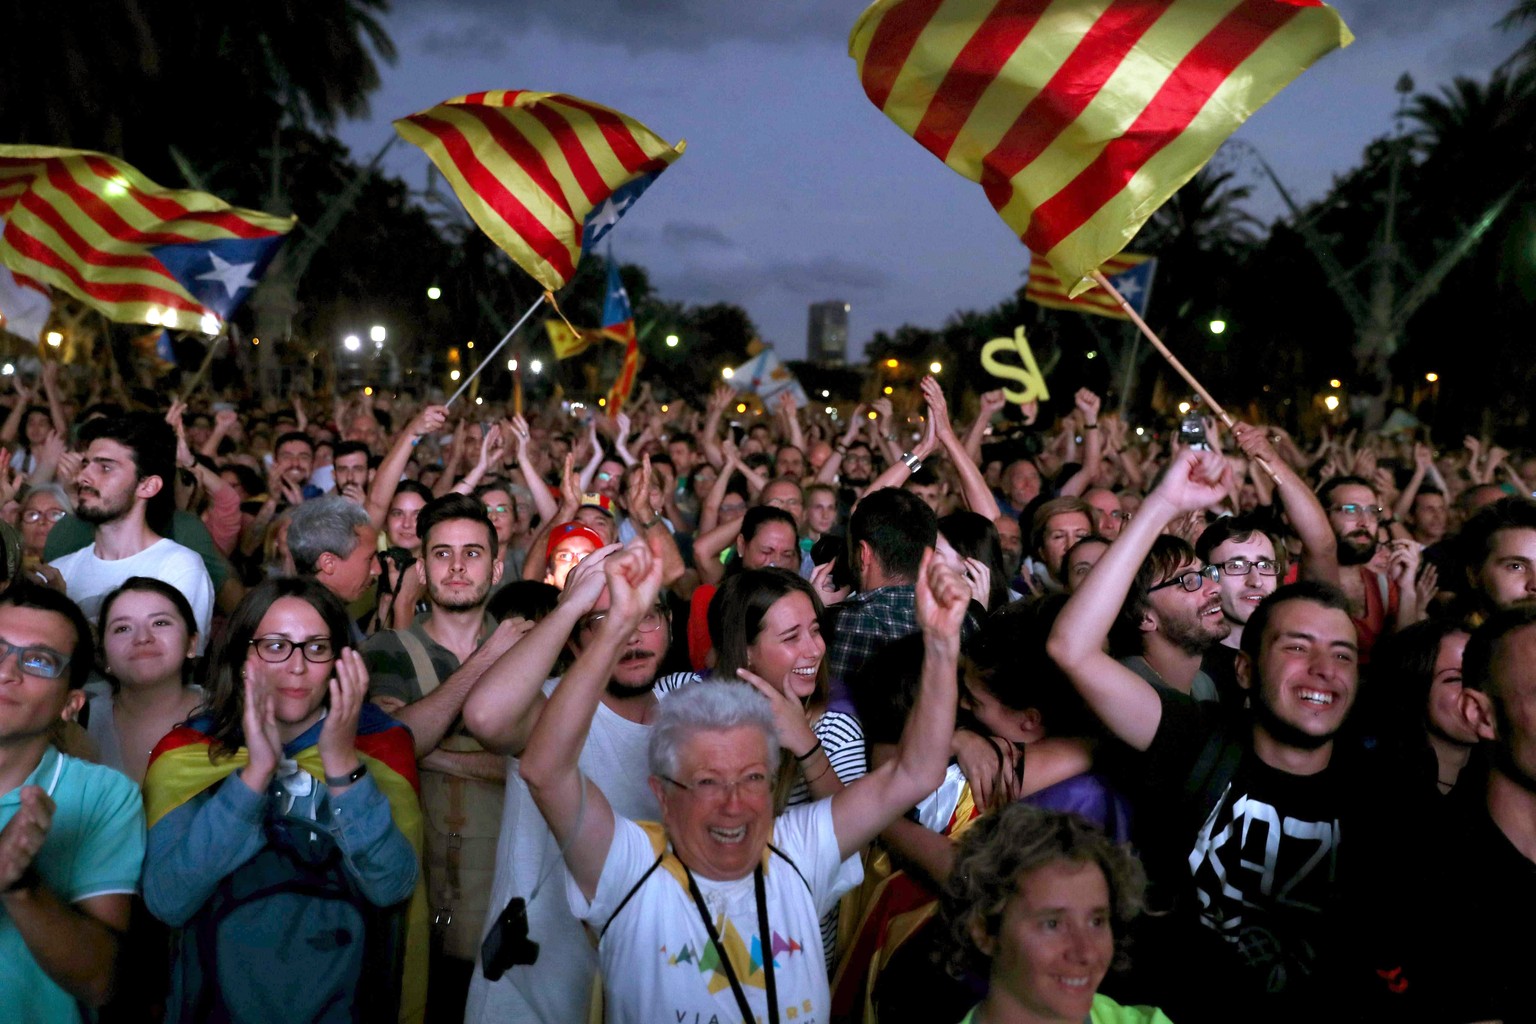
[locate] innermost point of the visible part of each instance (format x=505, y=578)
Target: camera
x=507, y=944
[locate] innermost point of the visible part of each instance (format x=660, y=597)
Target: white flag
x=767, y=378
x=24, y=308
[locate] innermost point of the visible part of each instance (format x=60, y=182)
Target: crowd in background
x=377, y=708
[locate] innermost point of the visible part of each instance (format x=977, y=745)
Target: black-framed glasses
x=33, y=515
x=38, y=661
x=1243, y=566
x=1353, y=509
x=650, y=622
x=1191, y=580
x=754, y=785
x=275, y=650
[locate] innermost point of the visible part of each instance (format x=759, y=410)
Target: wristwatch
x=912, y=462
x=342, y=781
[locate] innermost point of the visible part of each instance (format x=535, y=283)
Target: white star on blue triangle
x=1136, y=284
x=607, y=213
x=219, y=273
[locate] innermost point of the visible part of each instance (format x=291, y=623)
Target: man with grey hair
x=714, y=752
x=332, y=540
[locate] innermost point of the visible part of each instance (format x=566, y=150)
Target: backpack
x=287, y=936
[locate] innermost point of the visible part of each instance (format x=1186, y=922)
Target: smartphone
x=1192, y=432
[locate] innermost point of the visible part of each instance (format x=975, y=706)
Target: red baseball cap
x=565, y=531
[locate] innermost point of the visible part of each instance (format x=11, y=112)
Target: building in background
x=827, y=337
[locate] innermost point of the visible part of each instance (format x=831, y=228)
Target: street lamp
x=512, y=365
x=55, y=339
x=1334, y=383
x=535, y=366
x=352, y=343
x=376, y=333
x=935, y=367
x=671, y=341
x=1218, y=326
x=727, y=373
x=1332, y=402
x=1431, y=377
x=891, y=364
x=434, y=293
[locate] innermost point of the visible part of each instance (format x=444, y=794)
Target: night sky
x=796, y=189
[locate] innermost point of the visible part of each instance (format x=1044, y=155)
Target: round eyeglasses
x=275, y=650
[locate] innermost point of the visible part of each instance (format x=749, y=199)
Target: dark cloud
x=685, y=233
x=640, y=25
x=802, y=280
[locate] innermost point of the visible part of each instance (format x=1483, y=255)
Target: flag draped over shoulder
x=619, y=324
x=90, y=225
x=545, y=175
x=1130, y=273
x=1079, y=118
x=180, y=768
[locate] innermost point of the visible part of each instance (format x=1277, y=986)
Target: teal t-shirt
x=95, y=847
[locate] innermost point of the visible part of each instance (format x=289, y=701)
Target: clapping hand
x=338, y=734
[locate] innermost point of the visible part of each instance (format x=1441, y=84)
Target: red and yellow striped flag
x=90, y=225
x=1079, y=118
x=1130, y=273
x=545, y=175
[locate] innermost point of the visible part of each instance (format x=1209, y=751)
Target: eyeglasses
x=41, y=662
x=568, y=557
x=1124, y=517
x=1243, y=566
x=33, y=515
x=277, y=649
x=1352, y=509
x=1192, y=580
x=497, y=510
x=753, y=786
x=650, y=622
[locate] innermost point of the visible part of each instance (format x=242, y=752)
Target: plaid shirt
x=861, y=625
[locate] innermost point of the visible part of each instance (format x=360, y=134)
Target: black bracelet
x=341, y=781
x=802, y=758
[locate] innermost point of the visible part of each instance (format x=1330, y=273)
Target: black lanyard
x=764, y=941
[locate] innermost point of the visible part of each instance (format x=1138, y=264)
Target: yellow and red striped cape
x=181, y=767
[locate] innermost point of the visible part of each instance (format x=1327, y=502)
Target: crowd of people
x=401, y=711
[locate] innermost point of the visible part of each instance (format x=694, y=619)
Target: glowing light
x=153, y=316
x=891, y=364
x=168, y=318
x=1092, y=354
x=257, y=341
x=376, y=333
x=663, y=408
x=434, y=293
x=1332, y=402
x=874, y=415
x=352, y=343
x=829, y=408
x=8, y=369
x=741, y=406
x=601, y=402
x=826, y=394
x=535, y=366
x=117, y=187
x=512, y=365
x=453, y=374
x=1183, y=408
x=209, y=324
x=1431, y=377
x=935, y=367
x=672, y=341
x=889, y=390
x=1140, y=431
x=368, y=391
x=1218, y=326
x=55, y=339
x=1334, y=383
x=727, y=373
x=479, y=400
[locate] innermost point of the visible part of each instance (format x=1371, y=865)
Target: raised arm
x=1093, y=444
x=429, y=420
x=491, y=449
x=863, y=809
x=709, y=435
x=578, y=815
x=1125, y=702
x=542, y=499
x=1319, y=551
x=50, y=381
x=828, y=472
x=973, y=487
x=502, y=709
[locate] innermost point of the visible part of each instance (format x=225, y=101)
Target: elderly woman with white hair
x=713, y=913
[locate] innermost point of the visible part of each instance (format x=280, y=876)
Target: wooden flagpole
x=1173, y=361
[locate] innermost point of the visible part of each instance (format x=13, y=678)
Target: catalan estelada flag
x=1079, y=118
x=92, y=226
x=184, y=765
x=1130, y=273
x=619, y=324
x=545, y=175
